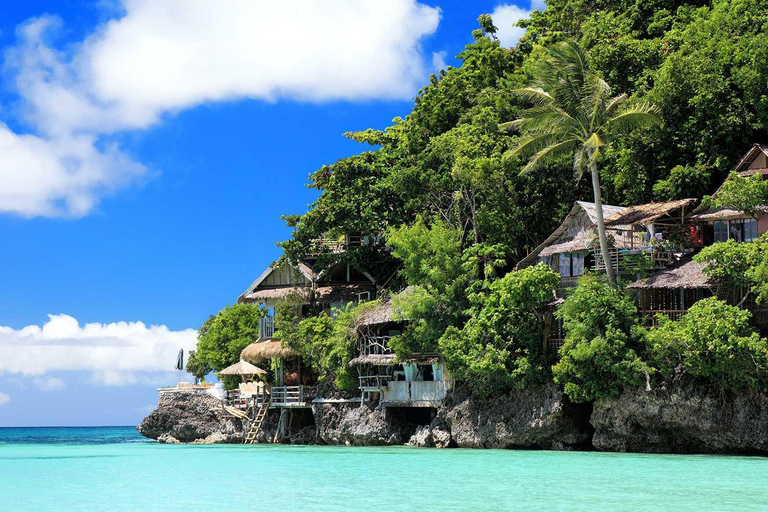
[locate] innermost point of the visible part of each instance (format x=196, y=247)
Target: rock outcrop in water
x=351, y=424
x=536, y=418
x=187, y=416
x=682, y=419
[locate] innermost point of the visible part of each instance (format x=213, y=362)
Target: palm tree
x=574, y=115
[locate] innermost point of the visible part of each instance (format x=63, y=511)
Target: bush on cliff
x=500, y=346
x=713, y=342
x=222, y=337
x=326, y=344
x=599, y=356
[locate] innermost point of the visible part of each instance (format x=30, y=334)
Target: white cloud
x=162, y=57
x=60, y=176
x=506, y=16
x=49, y=383
x=438, y=61
x=119, y=353
x=4, y=399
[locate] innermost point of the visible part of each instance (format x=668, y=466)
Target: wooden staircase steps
x=257, y=422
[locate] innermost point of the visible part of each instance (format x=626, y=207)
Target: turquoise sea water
x=116, y=469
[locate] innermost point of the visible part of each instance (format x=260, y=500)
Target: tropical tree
x=574, y=115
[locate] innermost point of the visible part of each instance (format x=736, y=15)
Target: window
x=740, y=230
x=721, y=231
x=565, y=265
x=750, y=230
x=577, y=264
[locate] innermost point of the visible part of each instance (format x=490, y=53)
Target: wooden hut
x=421, y=380
x=672, y=291
x=569, y=250
x=721, y=224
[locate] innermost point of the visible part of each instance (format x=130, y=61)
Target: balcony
x=266, y=327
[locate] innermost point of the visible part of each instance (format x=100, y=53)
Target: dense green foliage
x=446, y=189
x=715, y=343
x=500, y=347
x=222, y=337
x=600, y=354
x=325, y=344
x=741, y=194
x=743, y=264
x=197, y=367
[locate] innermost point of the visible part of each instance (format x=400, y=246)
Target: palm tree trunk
x=600, y=222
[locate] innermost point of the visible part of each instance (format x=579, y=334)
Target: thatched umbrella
x=269, y=348
x=243, y=369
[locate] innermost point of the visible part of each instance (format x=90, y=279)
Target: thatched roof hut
x=575, y=233
x=267, y=348
x=645, y=214
x=685, y=274
x=242, y=368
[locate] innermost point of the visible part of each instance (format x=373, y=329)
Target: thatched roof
x=323, y=294
x=390, y=359
x=251, y=293
x=580, y=242
x=686, y=273
x=646, y=213
x=266, y=349
x=242, y=368
x=381, y=314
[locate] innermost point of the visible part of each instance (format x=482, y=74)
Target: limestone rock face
x=189, y=416
x=682, y=419
x=168, y=439
x=351, y=424
x=535, y=418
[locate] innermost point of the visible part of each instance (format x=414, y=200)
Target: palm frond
x=638, y=116
x=532, y=144
x=535, y=95
x=549, y=154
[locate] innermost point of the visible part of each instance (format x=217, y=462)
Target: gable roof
x=749, y=157
x=581, y=242
x=704, y=213
x=646, y=213
x=307, y=272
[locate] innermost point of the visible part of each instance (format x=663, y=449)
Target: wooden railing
x=651, y=319
x=288, y=395
x=266, y=327
x=374, y=381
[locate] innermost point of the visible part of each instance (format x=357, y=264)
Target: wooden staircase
x=257, y=422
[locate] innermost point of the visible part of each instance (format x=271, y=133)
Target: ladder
x=257, y=422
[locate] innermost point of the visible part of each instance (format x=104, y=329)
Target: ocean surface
x=115, y=468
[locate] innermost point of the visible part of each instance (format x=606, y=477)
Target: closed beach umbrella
x=180, y=360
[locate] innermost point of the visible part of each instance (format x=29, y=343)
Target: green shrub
x=500, y=347
x=714, y=342
x=599, y=357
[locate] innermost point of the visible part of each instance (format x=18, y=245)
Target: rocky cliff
x=682, y=419
x=539, y=418
x=187, y=416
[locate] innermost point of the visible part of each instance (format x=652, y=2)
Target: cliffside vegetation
x=446, y=189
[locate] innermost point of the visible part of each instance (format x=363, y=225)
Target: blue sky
x=168, y=206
